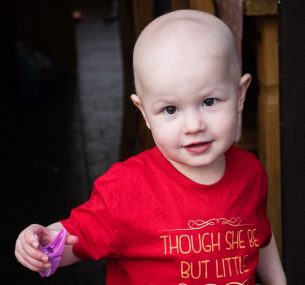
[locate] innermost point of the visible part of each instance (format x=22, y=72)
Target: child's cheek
x=165, y=136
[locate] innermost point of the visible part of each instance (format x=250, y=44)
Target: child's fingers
x=34, y=252
x=30, y=238
x=32, y=263
x=31, y=257
x=26, y=249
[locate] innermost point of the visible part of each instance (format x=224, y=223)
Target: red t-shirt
x=158, y=227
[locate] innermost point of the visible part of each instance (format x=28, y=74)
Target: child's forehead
x=188, y=27
x=172, y=36
x=183, y=39
x=183, y=78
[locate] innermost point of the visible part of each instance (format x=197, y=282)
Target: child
x=191, y=210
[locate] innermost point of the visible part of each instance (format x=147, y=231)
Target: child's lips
x=198, y=147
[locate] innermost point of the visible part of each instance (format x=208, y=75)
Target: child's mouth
x=199, y=147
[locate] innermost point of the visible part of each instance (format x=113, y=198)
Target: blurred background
x=65, y=113
x=61, y=113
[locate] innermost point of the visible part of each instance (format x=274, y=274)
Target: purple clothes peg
x=54, y=251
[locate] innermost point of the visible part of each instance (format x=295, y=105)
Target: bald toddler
x=192, y=209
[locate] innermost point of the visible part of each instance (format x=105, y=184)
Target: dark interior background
x=43, y=162
x=292, y=102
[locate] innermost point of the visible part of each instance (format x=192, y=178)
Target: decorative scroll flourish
x=200, y=224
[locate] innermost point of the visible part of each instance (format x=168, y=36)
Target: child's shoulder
x=126, y=181
x=243, y=158
x=131, y=167
x=139, y=160
x=240, y=153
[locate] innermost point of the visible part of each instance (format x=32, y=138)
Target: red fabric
x=156, y=226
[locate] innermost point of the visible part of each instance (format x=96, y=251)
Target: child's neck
x=206, y=175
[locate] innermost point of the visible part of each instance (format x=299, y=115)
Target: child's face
x=193, y=112
x=189, y=90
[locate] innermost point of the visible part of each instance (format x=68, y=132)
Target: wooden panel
x=134, y=16
x=203, y=5
x=268, y=116
x=142, y=14
x=259, y=7
x=269, y=153
x=268, y=50
x=180, y=4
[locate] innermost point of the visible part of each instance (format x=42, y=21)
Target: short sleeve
x=92, y=224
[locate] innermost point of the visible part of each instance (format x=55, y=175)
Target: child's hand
x=27, y=251
x=27, y=246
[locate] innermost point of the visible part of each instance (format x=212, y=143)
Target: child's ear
x=137, y=102
x=243, y=86
x=242, y=90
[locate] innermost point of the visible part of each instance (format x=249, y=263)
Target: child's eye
x=170, y=110
x=209, y=102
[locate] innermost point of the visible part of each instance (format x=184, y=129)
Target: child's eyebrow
x=164, y=101
x=213, y=91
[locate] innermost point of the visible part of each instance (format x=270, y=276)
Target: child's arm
x=28, y=241
x=270, y=269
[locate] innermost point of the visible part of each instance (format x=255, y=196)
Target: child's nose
x=194, y=123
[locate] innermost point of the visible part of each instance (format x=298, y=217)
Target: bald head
x=182, y=39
